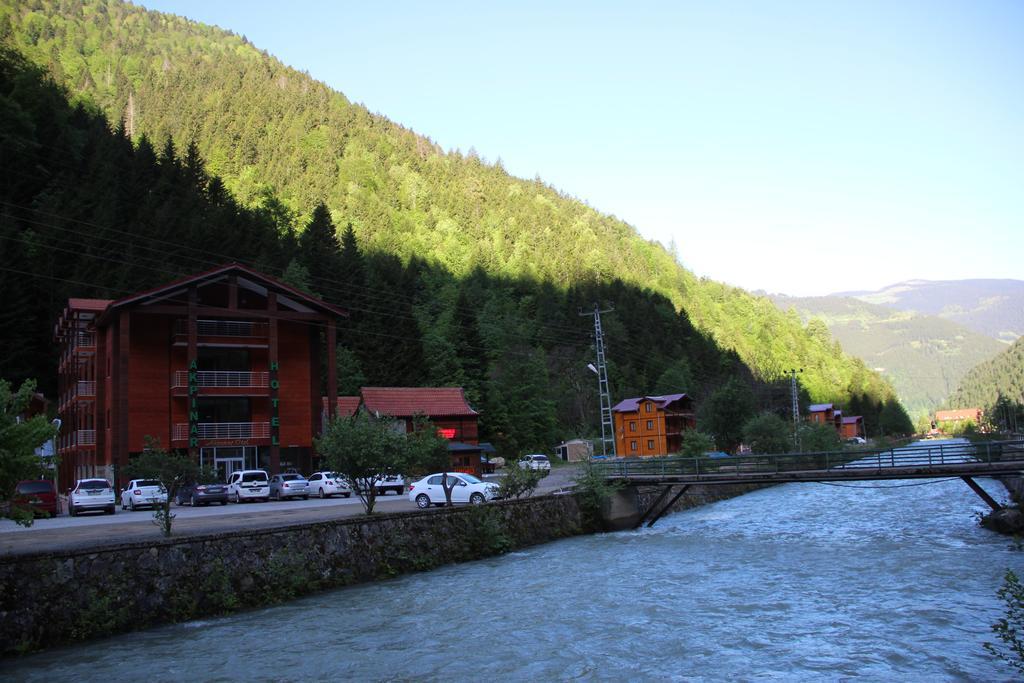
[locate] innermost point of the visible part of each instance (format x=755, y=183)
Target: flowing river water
x=795, y=582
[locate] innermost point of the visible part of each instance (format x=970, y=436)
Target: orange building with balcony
x=652, y=425
x=224, y=364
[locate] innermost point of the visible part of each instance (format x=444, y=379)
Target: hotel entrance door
x=224, y=461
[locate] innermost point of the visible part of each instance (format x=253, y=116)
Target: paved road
x=96, y=529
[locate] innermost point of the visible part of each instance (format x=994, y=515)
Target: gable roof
x=77, y=304
x=410, y=401
x=852, y=420
x=347, y=405
x=630, y=404
x=220, y=273
x=820, y=407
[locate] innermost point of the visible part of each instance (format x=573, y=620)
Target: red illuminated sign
x=446, y=433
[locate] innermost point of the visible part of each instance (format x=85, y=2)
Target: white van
x=249, y=485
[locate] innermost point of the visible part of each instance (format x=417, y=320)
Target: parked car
x=467, y=489
x=90, y=495
x=535, y=462
x=289, y=485
x=249, y=485
x=389, y=482
x=327, y=484
x=143, y=493
x=202, y=494
x=856, y=440
x=38, y=495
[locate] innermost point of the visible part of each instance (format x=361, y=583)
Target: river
x=796, y=582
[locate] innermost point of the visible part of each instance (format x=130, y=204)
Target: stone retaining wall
x=53, y=598
x=49, y=599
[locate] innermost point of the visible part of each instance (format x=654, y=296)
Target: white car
x=91, y=494
x=383, y=484
x=249, y=485
x=327, y=484
x=467, y=489
x=143, y=493
x=535, y=462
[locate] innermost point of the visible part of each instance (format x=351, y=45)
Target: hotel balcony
x=81, y=390
x=224, y=333
x=222, y=382
x=78, y=439
x=224, y=430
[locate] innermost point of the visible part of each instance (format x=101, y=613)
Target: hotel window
x=650, y=444
x=650, y=424
x=632, y=426
x=648, y=407
x=632, y=445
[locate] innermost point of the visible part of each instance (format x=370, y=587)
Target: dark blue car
x=202, y=494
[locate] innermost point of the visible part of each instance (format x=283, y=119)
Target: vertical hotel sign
x=193, y=404
x=275, y=422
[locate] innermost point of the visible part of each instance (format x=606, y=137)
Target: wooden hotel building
x=224, y=364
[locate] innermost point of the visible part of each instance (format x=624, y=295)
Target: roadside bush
x=768, y=433
x=816, y=438
x=519, y=482
x=1011, y=625
x=592, y=491
x=694, y=444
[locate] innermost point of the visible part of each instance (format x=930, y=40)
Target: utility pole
x=601, y=370
x=796, y=407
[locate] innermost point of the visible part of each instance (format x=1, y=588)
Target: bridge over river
x=922, y=460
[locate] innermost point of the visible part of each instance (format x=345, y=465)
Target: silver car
x=290, y=485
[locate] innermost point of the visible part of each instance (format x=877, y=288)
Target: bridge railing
x=921, y=457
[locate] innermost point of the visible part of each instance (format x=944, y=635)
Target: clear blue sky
x=802, y=148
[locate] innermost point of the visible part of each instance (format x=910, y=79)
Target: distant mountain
x=1000, y=376
x=994, y=308
x=924, y=356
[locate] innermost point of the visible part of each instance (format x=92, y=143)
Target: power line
x=337, y=287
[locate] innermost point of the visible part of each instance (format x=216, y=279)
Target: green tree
x=816, y=438
x=768, y=433
x=725, y=412
x=1010, y=627
x=677, y=378
x=695, y=443
x=365, y=448
x=350, y=371
x=519, y=481
x=320, y=253
x=172, y=470
x=893, y=419
x=18, y=440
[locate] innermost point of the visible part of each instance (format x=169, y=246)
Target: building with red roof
x=445, y=407
x=652, y=425
x=223, y=364
x=853, y=427
x=960, y=415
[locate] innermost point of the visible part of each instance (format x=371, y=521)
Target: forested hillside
x=1002, y=376
x=924, y=356
x=272, y=132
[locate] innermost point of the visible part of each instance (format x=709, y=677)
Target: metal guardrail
x=838, y=461
x=224, y=430
x=222, y=378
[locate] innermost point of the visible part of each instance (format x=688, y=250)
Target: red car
x=37, y=494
